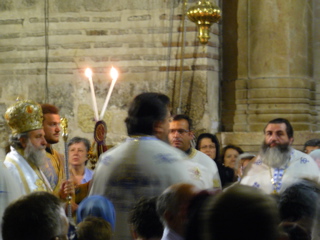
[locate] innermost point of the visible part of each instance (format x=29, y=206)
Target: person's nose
x=58, y=128
x=273, y=137
x=43, y=141
x=176, y=133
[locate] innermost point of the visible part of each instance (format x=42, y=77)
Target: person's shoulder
x=204, y=158
x=301, y=156
x=203, y=155
x=169, y=154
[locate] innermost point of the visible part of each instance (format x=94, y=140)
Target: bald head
x=173, y=203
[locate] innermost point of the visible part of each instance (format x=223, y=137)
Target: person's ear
x=191, y=134
x=158, y=127
x=291, y=140
x=23, y=142
x=168, y=216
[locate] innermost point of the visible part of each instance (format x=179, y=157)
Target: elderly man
x=172, y=208
x=144, y=165
x=279, y=164
x=180, y=136
x=28, y=144
x=36, y=216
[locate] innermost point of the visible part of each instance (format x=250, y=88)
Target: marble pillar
x=274, y=64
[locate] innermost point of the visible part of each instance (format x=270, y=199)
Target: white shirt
x=299, y=166
x=208, y=174
x=169, y=234
x=139, y=167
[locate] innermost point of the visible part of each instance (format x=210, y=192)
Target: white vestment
x=299, y=166
x=29, y=179
x=209, y=174
x=139, y=167
x=9, y=189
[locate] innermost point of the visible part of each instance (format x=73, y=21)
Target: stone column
x=274, y=75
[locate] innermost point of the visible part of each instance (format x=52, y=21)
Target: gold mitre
x=24, y=116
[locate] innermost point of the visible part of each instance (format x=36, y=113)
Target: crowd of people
x=155, y=184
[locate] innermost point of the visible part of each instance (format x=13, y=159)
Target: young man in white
x=180, y=136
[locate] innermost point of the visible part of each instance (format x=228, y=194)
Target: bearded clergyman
x=279, y=164
x=27, y=145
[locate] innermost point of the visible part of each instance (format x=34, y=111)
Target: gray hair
x=79, y=140
x=14, y=140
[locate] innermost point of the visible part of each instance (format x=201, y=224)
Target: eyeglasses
x=180, y=131
x=208, y=146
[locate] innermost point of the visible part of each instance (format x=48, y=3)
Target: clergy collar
x=49, y=149
x=188, y=152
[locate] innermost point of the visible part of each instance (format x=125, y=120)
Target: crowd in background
x=146, y=189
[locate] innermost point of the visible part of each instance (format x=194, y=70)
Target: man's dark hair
x=299, y=201
x=49, y=108
x=213, y=138
x=145, y=220
x=185, y=117
x=247, y=209
x=32, y=217
x=289, y=128
x=144, y=111
x=312, y=143
x=229, y=146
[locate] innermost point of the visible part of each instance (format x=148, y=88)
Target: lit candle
x=114, y=75
x=88, y=74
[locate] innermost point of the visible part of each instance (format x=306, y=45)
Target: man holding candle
x=145, y=164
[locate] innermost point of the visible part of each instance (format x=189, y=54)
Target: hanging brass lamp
x=204, y=14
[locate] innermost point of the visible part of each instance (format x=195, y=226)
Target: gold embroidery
x=196, y=172
x=39, y=185
x=216, y=183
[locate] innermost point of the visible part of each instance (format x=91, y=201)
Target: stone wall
x=270, y=69
x=316, y=54
x=46, y=45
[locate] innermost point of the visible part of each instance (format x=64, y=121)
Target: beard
x=277, y=156
x=34, y=154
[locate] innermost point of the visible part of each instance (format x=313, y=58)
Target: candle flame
x=114, y=73
x=88, y=73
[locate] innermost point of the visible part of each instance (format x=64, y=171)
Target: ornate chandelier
x=204, y=14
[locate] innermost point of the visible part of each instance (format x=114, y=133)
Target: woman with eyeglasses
x=209, y=144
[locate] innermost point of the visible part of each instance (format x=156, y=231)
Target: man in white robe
x=278, y=164
x=144, y=165
x=27, y=146
x=180, y=136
